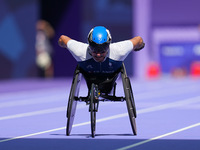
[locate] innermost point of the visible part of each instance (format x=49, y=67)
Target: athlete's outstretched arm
x=63, y=40
x=137, y=42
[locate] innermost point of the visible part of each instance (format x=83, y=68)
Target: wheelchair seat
x=105, y=83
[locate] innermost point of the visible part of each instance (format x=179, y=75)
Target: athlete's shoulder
x=79, y=50
x=121, y=44
x=120, y=50
x=74, y=43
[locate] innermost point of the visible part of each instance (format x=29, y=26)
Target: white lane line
x=156, y=108
x=171, y=105
x=159, y=137
x=28, y=135
x=33, y=113
x=141, y=111
x=165, y=92
x=41, y=112
x=31, y=101
x=31, y=93
x=62, y=128
x=55, y=94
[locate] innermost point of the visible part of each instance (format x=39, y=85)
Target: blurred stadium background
x=170, y=29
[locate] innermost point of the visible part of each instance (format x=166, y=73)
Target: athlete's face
x=99, y=57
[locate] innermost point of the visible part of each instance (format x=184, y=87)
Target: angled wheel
x=130, y=105
x=129, y=99
x=72, y=103
x=93, y=108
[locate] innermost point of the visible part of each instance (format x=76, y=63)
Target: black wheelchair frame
x=95, y=96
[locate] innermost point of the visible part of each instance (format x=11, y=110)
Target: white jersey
x=116, y=55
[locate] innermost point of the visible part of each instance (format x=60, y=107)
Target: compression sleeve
x=120, y=50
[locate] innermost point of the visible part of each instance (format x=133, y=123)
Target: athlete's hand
x=137, y=43
x=63, y=40
x=142, y=46
x=61, y=43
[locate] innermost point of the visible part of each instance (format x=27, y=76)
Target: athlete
x=100, y=59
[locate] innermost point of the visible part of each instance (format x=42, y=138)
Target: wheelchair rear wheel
x=72, y=103
x=130, y=105
x=132, y=98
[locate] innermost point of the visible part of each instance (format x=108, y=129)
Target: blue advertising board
x=178, y=55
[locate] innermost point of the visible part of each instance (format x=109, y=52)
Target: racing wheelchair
x=96, y=93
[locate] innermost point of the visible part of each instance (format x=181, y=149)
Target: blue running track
x=33, y=116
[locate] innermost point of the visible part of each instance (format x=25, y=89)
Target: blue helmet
x=99, y=39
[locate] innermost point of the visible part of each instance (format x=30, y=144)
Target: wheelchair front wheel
x=93, y=108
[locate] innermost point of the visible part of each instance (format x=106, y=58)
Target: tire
x=93, y=110
x=132, y=97
x=72, y=103
x=132, y=118
x=130, y=105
